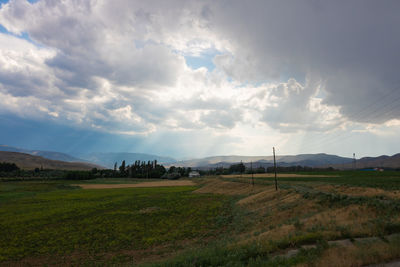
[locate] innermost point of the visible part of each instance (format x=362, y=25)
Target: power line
x=361, y=115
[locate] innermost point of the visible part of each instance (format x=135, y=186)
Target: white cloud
x=119, y=66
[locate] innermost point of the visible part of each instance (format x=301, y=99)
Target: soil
x=144, y=184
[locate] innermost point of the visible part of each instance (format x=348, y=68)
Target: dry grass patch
x=352, y=219
x=216, y=186
x=144, y=184
x=283, y=204
x=277, y=233
x=359, y=191
x=265, y=195
x=359, y=255
x=276, y=215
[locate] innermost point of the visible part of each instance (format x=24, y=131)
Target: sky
x=199, y=78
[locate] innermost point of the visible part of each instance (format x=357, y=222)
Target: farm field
x=321, y=219
x=142, y=184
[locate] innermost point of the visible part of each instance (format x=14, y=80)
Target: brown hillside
x=29, y=162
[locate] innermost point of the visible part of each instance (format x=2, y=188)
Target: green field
x=44, y=221
x=218, y=222
x=386, y=180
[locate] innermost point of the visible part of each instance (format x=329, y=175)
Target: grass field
x=386, y=180
x=222, y=221
x=60, y=224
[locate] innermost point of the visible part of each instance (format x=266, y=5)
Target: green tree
x=122, y=168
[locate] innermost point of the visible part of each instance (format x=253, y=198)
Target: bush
x=79, y=175
x=8, y=167
x=171, y=176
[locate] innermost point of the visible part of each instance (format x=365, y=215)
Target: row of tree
x=240, y=168
x=150, y=169
x=140, y=169
x=8, y=167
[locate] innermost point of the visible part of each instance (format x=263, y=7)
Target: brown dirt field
x=144, y=184
x=216, y=186
x=270, y=175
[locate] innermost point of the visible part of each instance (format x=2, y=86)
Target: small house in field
x=194, y=174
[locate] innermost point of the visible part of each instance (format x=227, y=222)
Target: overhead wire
x=363, y=114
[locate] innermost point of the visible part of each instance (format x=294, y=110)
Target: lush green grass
x=389, y=180
x=51, y=219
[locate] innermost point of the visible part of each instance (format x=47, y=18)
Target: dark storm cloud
x=352, y=46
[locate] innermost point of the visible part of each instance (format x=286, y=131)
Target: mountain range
x=105, y=159
x=311, y=160
x=108, y=159
x=45, y=154
x=373, y=162
x=30, y=162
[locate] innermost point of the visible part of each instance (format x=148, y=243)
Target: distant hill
x=220, y=160
x=374, y=162
x=29, y=162
x=311, y=160
x=108, y=159
x=45, y=154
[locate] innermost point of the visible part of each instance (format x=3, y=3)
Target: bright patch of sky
x=23, y=35
x=204, y=60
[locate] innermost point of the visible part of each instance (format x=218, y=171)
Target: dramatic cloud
x=352, y=46
x=123, y=66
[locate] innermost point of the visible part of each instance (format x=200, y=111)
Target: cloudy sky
x=199, y=78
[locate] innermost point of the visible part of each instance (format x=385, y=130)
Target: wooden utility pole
x=276, y=182
x=241, y=164
x=252, y=174
x=354, y=161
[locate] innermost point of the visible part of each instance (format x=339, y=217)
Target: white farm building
x=194, y=174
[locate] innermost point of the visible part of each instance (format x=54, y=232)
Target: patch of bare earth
x=144, y=184
x=217, y=186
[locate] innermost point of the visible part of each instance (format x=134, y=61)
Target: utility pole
x=276, y=182
x=252, y=174
x=241, y=163
x=354, y=161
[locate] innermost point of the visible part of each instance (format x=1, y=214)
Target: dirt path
x=144, y=184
